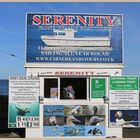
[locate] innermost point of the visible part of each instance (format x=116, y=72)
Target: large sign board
x=74, y=38
x=23, y=102
x=124, y=101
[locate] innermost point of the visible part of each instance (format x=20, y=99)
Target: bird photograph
x=56, y=110
x=53, y=131
x=74, y=131
x=96, y=110
x=74, y=110
x=95, y=131
x=124, y=118
x=75, y=120
x=94, y=120
x=53, y=121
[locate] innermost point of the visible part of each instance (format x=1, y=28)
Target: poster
x=98, y=87
x=124, y=101
x=23, y=102
x=74, y=38
x=74, y=120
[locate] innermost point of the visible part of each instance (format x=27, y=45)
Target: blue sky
x=12, y=30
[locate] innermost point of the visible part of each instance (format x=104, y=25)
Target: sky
x=12, y=30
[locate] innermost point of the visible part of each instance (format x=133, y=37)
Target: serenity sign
x=74, y=38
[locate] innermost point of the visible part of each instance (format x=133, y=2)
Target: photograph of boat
x=66, y=37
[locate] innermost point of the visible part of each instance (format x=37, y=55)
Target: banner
x=79, y=72
x=74, y=38
x=23, y=102
x=74, y=120
x=124, y=101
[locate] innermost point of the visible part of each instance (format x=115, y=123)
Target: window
x=51, y=88
x=73, y=88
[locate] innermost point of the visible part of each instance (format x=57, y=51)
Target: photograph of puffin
x=53, y=120
x=124, y=118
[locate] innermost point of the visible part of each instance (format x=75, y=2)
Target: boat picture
x=66, y=37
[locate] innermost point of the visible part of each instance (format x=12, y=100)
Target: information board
x=124, y=101
x=98, y=87
x=23, y=102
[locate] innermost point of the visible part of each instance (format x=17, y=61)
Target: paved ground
x=9, y=135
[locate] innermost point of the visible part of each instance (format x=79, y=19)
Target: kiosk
x=74, y=56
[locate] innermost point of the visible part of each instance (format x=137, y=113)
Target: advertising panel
x=124, y=101
x=74, y=120
x=23, y=102
x=74, y=38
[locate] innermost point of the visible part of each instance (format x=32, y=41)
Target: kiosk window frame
x=54, y=86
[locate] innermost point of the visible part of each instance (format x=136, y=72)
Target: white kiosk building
x=81, y=57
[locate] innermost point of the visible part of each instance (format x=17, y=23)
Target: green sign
x=124, y=83
x=98, y=87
